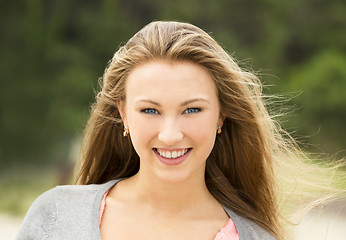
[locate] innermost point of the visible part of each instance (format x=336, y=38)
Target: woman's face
x=172, y=112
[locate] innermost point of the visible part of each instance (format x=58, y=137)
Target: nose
x=170, y=133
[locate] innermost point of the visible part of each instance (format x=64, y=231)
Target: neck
x=171, y=197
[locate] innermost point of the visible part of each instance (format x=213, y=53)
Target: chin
x=178, y=177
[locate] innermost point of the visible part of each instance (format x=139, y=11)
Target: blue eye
x=192, y=110
x=150, y=111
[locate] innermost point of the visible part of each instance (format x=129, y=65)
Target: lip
x=172, y=162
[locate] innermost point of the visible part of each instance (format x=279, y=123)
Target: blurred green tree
x=322, y=101
x=53, y=52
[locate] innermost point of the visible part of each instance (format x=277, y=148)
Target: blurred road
x=9, y=226
x=326, y=224
x=329, y=224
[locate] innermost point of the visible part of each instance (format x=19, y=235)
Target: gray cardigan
x=72, y=212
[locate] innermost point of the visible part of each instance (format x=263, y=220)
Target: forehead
x=161, y=79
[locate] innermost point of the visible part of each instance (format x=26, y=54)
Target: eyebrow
x=182, y=104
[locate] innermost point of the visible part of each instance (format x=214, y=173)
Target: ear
x=121, y=109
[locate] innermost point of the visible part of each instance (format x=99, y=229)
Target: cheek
x=142, y=131
x=202, y=130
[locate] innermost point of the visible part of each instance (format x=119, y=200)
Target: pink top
x=228, y=232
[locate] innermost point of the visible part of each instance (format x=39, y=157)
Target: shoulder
x=254, y=231
x=72, y=203
x=68, y=194
x=71, y=192
x=247, y=229
x=41, y=217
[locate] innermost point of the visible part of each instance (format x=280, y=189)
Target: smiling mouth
x=172, y=154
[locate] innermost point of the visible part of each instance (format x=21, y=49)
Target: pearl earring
x=219, y=130
x=126, y=131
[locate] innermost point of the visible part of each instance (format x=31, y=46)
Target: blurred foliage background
x=53, y=52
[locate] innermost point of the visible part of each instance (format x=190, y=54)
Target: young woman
x=179, y=145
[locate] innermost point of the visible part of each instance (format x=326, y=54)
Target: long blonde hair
x=240, y=169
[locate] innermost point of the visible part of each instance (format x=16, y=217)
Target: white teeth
x=173, y=154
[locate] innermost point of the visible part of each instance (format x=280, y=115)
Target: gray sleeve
x=258, y=232
x=40, y=220
x=251, y=230
x=247, y=229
